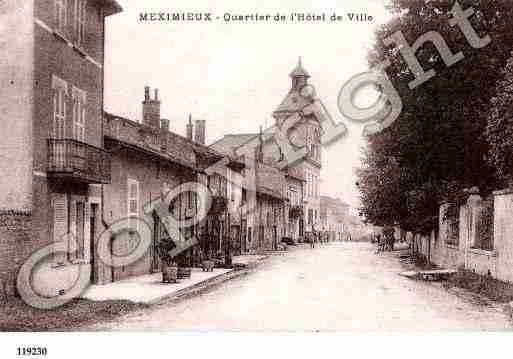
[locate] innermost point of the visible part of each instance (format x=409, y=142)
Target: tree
x=499, y=131
x=438, y=141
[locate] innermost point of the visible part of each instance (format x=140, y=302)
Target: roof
x=178, y=147
x=132, y=134
x=293, y=102
x=299, y=70
x=228, y=143
x=163, y=155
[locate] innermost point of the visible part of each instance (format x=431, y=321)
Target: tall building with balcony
x=53, y=160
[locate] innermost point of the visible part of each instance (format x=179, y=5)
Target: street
x=338, y=286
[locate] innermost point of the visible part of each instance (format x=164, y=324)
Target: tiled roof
x=228, y=143
x=151, y=140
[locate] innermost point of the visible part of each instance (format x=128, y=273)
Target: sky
x=234, y=75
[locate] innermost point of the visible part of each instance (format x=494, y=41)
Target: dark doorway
x=244, y=228
x=158, y=232
x=92, y=241
x=275, y=238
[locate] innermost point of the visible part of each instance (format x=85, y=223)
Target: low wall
x=496, y=262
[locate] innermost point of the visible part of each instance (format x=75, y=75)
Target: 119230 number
x=32, y=351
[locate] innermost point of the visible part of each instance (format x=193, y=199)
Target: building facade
x=334, y=217
x=53, y=162
x=300, y=116
x=148, y=160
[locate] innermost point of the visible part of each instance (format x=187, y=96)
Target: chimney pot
x=199, y=134
x=151, y=109
x=189, y=128
x=164, y=124
x=156, y=94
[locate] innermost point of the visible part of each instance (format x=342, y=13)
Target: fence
x=476, y=235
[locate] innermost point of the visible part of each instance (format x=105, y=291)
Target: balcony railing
x=75, y=160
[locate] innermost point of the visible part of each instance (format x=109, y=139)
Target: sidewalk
x=149, y=288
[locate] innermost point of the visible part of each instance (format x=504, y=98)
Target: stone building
x=334, y=216
x=147, y=161
x=53, y=161
x=300, y=116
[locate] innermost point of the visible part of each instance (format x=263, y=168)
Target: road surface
x=339, y=286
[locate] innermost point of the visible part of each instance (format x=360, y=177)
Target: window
x=60, y=221
x=61, y=14
x=483, y=233
x=190, y=199
x=133, y=201
x=79, y=114
x=452, y=221
x=78, y=227
x=80, y=20
x=60, y=89
x=71, y=215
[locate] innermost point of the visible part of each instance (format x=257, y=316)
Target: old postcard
x=291, y=166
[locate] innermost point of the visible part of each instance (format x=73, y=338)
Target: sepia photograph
x=266, y=167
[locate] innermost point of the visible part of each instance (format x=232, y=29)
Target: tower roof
x=299, y=70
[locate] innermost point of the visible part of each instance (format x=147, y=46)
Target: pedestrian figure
x=379, y=244
x=388, y=233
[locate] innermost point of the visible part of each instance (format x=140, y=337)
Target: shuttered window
x=133, y=201
x=80, y=20
x=59, y=87
x=79, y=114
x=60, y=222
x=61, y=14
x=71, y=222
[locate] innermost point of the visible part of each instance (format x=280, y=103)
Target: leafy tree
x=438, y=141
x=499, y=131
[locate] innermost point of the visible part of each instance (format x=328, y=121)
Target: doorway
x=244, y=228
x=92, y=240
x=275, y=238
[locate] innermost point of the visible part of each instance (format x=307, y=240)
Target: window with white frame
x=79, y=114
x=133, y=201
x=80, y=20
x=61, y=14
x=60, y=90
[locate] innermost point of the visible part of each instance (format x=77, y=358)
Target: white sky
x=234, y=75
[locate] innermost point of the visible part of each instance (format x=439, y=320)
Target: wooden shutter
x=60, y=222
x=86, y=246
x=72, y=255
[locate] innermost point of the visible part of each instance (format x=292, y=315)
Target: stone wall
x=470, y=253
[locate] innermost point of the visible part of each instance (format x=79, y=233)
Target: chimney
x=164, y=124
x=189, y=128
x=151, y=109
x=199, y=135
